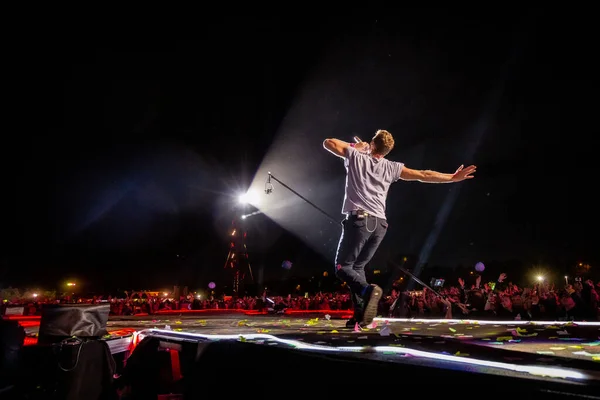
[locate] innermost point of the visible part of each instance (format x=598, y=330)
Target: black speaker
x=61, y=321
x=85, y=370
x=69, y=370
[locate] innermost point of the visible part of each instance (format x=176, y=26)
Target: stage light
x=250, y=197
x=250, y=215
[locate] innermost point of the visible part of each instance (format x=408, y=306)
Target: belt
x=359, y=212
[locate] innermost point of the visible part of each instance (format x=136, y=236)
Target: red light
x=30, y=341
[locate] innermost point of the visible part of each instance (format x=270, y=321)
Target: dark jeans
x=359, y=242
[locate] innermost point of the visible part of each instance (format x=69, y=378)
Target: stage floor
x=572, y=346
x=569, y=345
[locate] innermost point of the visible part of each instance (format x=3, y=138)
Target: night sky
x=132, y=144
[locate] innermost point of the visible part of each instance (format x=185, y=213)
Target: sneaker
x=351, y=323
x=372, y=297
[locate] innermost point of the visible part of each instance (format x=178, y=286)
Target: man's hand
x=363, y=147
x=463, y=173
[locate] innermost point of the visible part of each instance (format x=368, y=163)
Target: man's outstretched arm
x=340, y=148
x=428, y=176
x=336, y=146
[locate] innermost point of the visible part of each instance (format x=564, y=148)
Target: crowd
x=501, y=299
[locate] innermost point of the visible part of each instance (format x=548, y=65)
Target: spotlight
x=250, y=197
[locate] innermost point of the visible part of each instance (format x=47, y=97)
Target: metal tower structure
x=237, y=257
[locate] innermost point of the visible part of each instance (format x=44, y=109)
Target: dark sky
x=130, y=143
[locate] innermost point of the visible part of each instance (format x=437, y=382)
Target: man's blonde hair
x=383, y=142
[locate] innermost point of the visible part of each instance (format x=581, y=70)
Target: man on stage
x=368, y=177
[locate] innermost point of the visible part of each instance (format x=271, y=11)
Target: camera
x=437, y=282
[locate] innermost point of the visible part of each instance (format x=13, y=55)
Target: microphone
x=358, y=141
